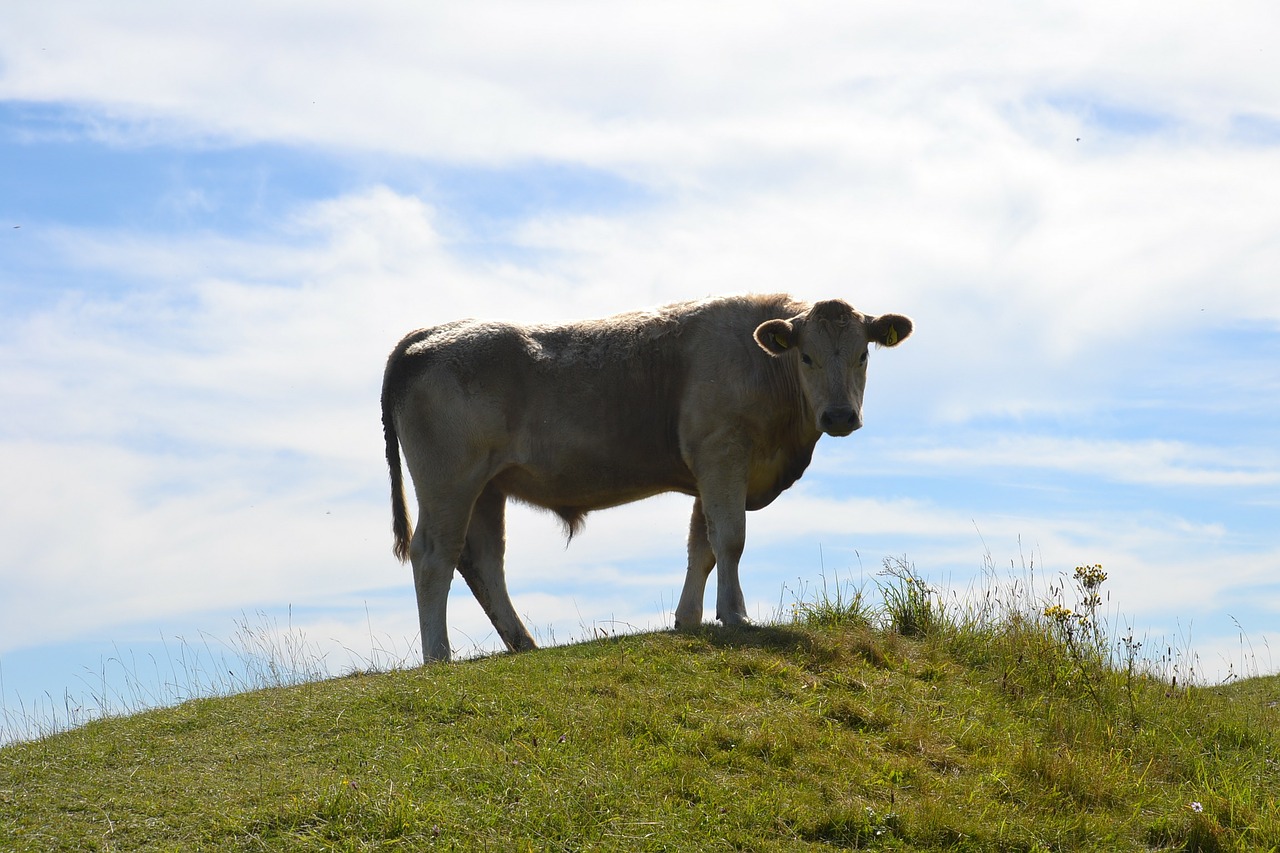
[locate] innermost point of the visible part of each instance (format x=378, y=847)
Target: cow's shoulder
x=727, y=324
x=737, y=394
x=725, y=362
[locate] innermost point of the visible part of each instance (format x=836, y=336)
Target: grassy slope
x=777, y=738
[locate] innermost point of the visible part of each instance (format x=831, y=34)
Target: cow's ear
x=776, y=336
x=889, y=330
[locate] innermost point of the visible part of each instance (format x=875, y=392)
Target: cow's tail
x=401, y=526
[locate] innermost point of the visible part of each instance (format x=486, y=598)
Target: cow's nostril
x=840, y=420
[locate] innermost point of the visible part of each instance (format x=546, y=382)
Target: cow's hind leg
x=435, y=551
x=701, y=561
x=481, y=567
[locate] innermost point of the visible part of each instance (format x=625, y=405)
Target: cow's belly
x=588, y=483
x=562, y=457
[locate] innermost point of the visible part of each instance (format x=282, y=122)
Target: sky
x=217, y=219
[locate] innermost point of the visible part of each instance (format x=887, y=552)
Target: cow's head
x=828, y=347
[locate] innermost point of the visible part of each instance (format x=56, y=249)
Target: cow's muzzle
x=840, y=420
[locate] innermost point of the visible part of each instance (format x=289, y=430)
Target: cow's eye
x=804, y=358
x=865, y=355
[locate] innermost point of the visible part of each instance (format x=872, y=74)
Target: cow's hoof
x=689, y=621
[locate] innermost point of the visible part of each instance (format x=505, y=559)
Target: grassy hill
x=903, y=727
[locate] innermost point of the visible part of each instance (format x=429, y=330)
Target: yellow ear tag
x=780, y=341
x=891, y=338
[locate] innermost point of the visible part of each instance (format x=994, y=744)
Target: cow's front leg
x=728, y=535
x=722, y=485
x=701, y=561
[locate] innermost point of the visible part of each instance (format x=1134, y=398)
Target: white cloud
x=1147, y=462
x=614, y=83
x=98, y=536
x=1226, y=658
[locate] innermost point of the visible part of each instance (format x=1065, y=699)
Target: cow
x=722, y=399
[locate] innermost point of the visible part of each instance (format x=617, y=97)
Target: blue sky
x=215, y=223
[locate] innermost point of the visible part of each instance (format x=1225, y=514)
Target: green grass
x=988, y=726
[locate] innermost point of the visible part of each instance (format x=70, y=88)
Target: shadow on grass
x=821, y=647
x=774, y=638
x=808, y=646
